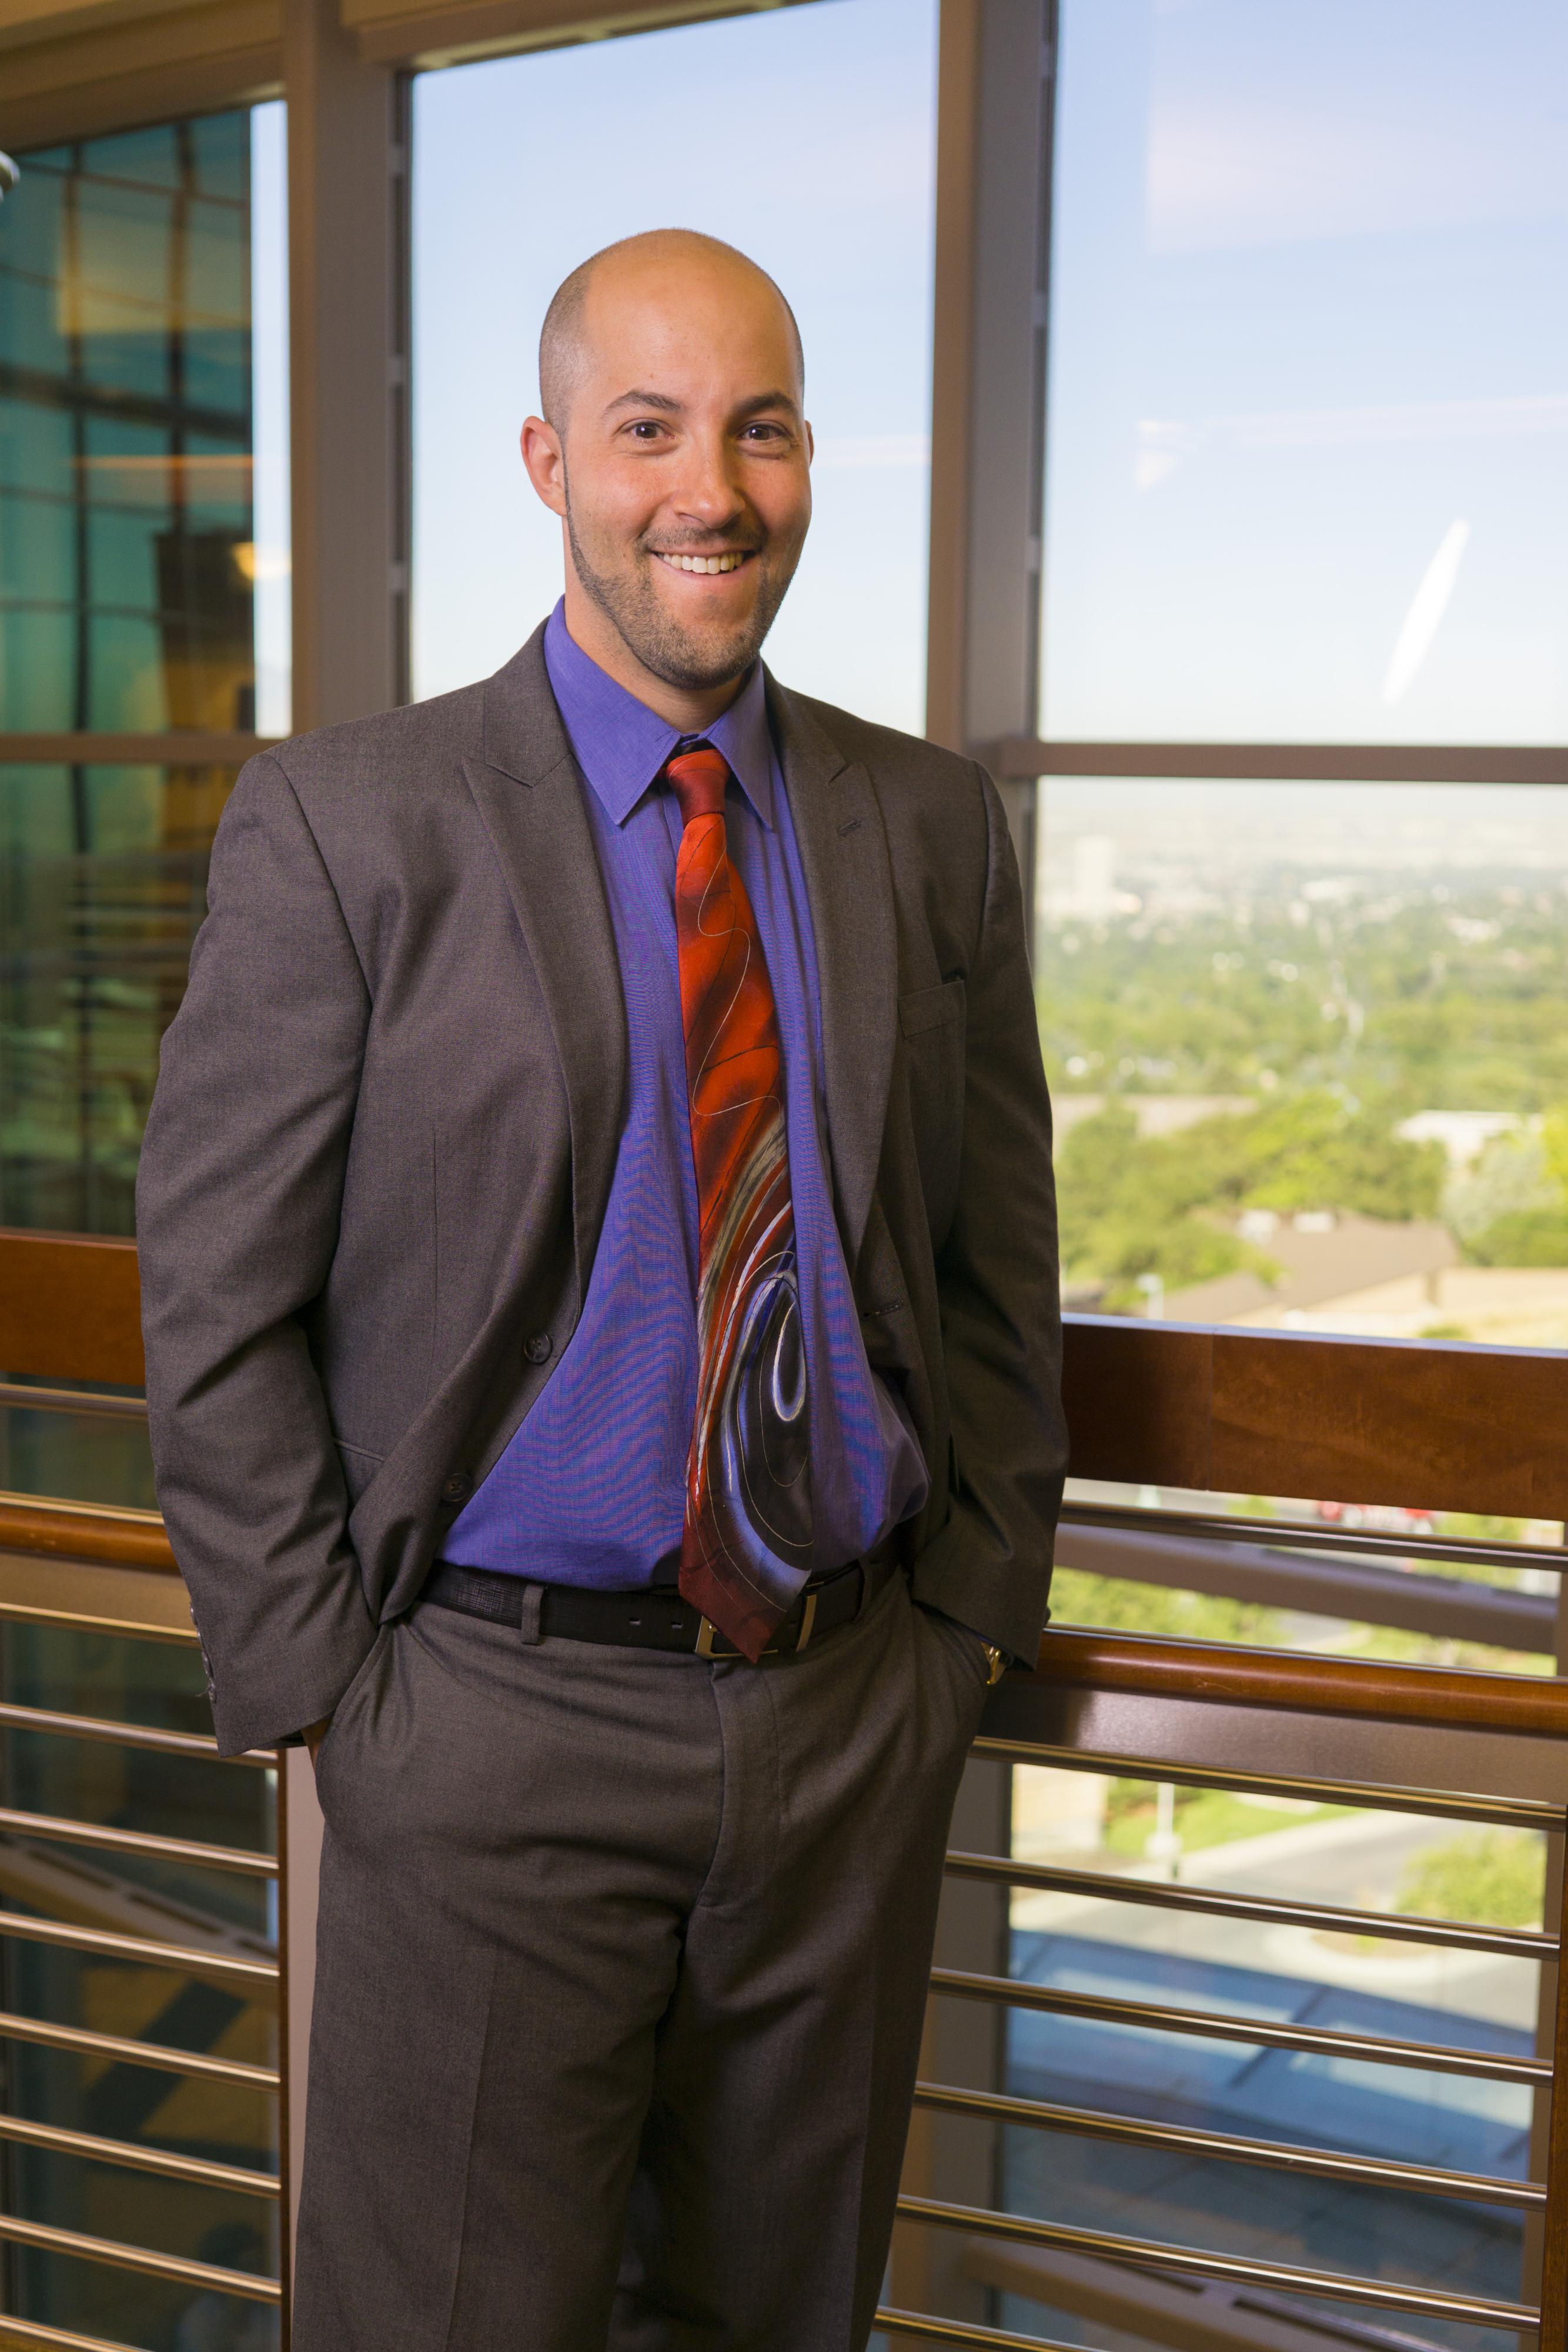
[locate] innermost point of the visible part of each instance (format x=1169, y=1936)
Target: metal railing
x=71, y=1534
x=1175, y=1709
x=1205, y=1715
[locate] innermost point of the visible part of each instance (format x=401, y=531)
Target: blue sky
x=805, y=136
x=1308, y=456
x=1308, y=446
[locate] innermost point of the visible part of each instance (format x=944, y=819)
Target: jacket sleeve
x=237, y=1207
x=999, y=1293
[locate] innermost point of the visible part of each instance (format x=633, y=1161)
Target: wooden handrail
x=1425, y=1424
x=1302, y=1682
x=114, y=1538
x=70, y=1309
x=1422, y=1424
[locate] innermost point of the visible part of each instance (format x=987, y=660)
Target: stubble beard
x=630, y=601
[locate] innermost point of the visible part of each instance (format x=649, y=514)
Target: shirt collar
x=621, y=745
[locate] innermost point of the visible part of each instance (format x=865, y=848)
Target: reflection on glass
x=842, y=217
x=1288, y=1850
x=102, y=887
x=125, y=433
x=1308, y=423
x=1310, y=1052
x=157, y=1684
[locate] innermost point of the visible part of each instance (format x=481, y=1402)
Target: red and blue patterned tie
x=747, y=1544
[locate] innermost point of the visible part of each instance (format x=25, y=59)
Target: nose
x=707, y=492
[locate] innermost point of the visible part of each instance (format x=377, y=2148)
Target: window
x=144, y=580
x=1308, y=446
x=143, y=574
x=648, y=132
x=1307, y=483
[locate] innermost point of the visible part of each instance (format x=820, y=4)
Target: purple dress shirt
x=592, y=1489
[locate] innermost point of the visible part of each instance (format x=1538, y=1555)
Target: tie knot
x=698, y=777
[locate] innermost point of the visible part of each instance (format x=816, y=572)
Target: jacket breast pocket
x=931, y=1028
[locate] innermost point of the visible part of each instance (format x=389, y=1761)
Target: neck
x=689, y=710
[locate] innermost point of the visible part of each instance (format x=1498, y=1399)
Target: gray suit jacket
x=387, y=1120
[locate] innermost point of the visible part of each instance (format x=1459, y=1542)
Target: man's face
x=684, y=471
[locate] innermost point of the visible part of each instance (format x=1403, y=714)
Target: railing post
x=1554, y=2262
x=299, y=1829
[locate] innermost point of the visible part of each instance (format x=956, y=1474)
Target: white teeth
x=706, y=563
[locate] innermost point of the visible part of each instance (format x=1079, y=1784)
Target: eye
x=645, y=430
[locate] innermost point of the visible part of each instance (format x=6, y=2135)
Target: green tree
x=1494, y=1878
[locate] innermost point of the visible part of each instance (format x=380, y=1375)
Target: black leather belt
x=655, y=1620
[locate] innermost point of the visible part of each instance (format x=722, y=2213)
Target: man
x=599, y=1264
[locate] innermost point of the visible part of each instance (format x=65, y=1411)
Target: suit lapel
x=843, y=850
x=530, y=797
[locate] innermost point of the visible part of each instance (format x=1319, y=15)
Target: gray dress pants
x=621, y=1970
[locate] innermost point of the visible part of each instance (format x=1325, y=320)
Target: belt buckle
x=707, y=1633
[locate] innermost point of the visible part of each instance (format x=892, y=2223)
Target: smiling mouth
x=730, y=560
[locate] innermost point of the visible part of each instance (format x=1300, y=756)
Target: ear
x=544, y=462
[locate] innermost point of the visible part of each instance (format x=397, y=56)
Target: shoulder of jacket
x=389, y=745
x=893, y=758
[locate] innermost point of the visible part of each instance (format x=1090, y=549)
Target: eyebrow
x=668, y=408
x=645, y=400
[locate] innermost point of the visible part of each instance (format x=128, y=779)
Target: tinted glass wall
x=126, y=442
x=134, y=588
x=524, y=166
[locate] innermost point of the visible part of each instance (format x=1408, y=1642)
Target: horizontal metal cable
x=1258, y=2033
x=87, y=1401
x=1311, y=1535
x=1327, y=2164
x=1192, y=2261
x=136, y=2053
x=244, y=2178
x=1417, y=1597
x=140, y=1949
x=958, y=2331
x=82, y=1621
x=166, y=1849
x=1109, y=1886
x=197, y=1744
x=54, y=2339
x=140, y=2258
x=1374, y=1796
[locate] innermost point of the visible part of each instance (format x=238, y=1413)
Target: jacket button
x=455, y=1488
x=537, y=1349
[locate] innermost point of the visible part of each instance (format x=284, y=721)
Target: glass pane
x=842, y=217
x=1309, y=1046
x=1308, y=444
x=102, y=887
x=1324, y=1978
x=142, y=444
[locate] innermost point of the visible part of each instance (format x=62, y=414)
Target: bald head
x=676, y=450
x=674, y=269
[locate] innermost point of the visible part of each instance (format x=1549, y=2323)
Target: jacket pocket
x=931, y=1008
